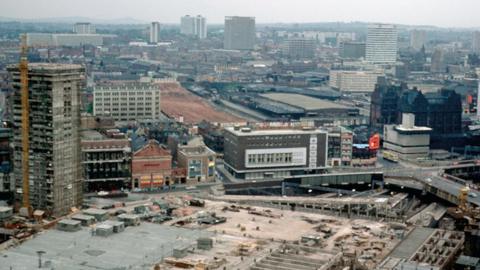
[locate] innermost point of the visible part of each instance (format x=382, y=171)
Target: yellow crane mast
x=25, y=123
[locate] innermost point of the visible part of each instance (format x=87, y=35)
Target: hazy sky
x=447, y=13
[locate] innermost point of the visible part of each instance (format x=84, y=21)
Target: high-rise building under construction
x=55, y=177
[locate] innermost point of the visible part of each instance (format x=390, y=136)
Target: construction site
x=204, y=229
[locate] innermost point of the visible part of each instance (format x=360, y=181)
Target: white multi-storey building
x=194, y=26
x=84, y=28
x=200, y=27
x=382, y=44
x=127, y=102
x=354, y=81
x=154, y=32
x=187, y=25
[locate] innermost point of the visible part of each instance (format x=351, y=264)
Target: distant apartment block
x=352, y=50
x=194, y=26
x=274, y=153
x=476, y=42
x=84, y=28
x=154, y=32
x=239, y=33
x=299, y=48
x=55, y=157
x=382, y=44
x=69, y=40
x=354, y=81
x=127, y=102
x=418, y=39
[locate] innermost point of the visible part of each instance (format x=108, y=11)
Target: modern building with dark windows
x=384, y=104
x=274, y=153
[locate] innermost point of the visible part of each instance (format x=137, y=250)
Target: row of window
x=122, y=93
x=132, y=104
x=270, y=158
x=274, y=137
x=124, y=98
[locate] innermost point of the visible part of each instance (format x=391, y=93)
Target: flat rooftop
x=305, y=102
x=137, y=247
x=50, y=67
x=279, y=131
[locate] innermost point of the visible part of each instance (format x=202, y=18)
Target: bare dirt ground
x=177, y=101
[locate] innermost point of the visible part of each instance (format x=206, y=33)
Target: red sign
x=374, y=142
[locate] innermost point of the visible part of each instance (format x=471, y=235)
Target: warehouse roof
x=305, y=102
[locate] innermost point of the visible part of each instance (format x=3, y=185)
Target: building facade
x=239, y=33
x=201, y=27
x=154, y=32
x=382, y=44
x=198, y=160
x=84, y=28
x=340, y=142
x=299, y=48
x=55, y=156
x=127, y=102
x=418, y=39
x=352, y=50
x=151, y=167
x=407, y=141
x=274, y=153
x=354, y=81
x=106, y=164
x=194, y=26
x=70, y=40
x=187, y=25
x=476, y=42
x=6, y=160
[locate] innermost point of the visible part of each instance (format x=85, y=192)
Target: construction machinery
x=27, y=210
x=467, y=216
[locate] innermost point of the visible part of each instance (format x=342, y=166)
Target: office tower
x=54, y=141
x=194, y=26
x=127, y=102
x=187, y=25
x=381, y=44
x=154, y=32
x=418, y=39
x=476, y=42
x=84, y=28
x=384, y=104
x=200, y=27
x=239, y=33
x=352, y=50
x=299, y=48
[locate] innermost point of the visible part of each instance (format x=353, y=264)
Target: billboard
x=374, y=142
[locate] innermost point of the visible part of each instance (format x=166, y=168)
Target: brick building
x=151, y=166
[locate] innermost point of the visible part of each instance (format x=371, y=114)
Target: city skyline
x=423, y=12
